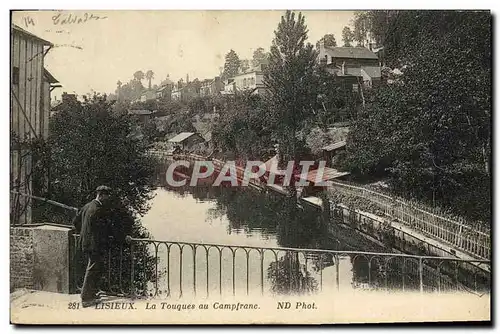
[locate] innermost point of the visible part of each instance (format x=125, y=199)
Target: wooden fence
x=472, y=238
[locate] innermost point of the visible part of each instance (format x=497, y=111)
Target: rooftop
x=26, y=33
x=372, y=71
x=49, y=76
x=325, y=173
x=181, y=137
x=335, y=146
x=357, y=52
x=140, y=112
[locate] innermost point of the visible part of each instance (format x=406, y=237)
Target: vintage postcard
x=250, y=167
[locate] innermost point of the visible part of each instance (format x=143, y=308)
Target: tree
x=232, y=65
x=139, y=75
x=328, y=40
x=431, y=128
x=244, y=128
x=244, y=65
x=379, y=24
x=89, y=145
x=149, y=76
x=347, y=36
x=118, y=88
x=259, y=57
x=291, y=81
x=361, y=27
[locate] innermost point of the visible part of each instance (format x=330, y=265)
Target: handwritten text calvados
x=63, y=19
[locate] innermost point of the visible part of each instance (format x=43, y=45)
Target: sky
x=94, y=54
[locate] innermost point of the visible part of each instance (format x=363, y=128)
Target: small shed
x=141, y=114
x=331, y=150
x=186, y=140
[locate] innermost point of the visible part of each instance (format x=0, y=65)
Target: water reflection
x=247, y=217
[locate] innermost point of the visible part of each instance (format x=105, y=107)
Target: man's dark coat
x=90, y=223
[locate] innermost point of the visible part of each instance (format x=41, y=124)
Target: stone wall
x=21, y=258
x=382, y=230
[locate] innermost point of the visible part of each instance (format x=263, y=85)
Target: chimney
x=187, y=78
x=322, y=46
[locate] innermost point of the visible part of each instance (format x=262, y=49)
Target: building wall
x=355, y=62
x=27, y=56
x=249, y=80
x=176, y=95
x=45, y=109
x=29, y=112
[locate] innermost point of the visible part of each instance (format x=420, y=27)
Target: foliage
x=232, y=65
x=347, y=36
x=431, y=128
x=149, y=76
x=243, y=128
x=328, y=40
x=139, y=75
x=260, y=56
x=361, y=28
x=90, y=146
x=290, y=79
x=244, y=65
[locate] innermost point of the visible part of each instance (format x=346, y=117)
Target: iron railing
x=41, y=210
x=381, y=229
x=474, y=240
x=147, y=267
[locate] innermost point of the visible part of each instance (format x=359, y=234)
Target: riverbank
x=444, y=238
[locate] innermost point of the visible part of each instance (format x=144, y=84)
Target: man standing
x=91, y=224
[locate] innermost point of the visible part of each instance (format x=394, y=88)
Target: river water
x=223, y=241
x=242, y=216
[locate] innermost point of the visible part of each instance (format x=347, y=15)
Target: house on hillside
x=186, y=141
x=332, y=150
x=185, y=91
x=148, y=95
x=66, y=99
x=352, y=63
x=165, y=91
x=251, y=80
x=211, y=86
x=30, y=89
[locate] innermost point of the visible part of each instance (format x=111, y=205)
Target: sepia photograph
x=250, y=167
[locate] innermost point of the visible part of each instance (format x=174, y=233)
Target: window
x=15, y=75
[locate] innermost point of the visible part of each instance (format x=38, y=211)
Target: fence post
x=421, y=274
x=132, y=270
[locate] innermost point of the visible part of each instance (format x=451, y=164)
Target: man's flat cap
x=103, y=189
